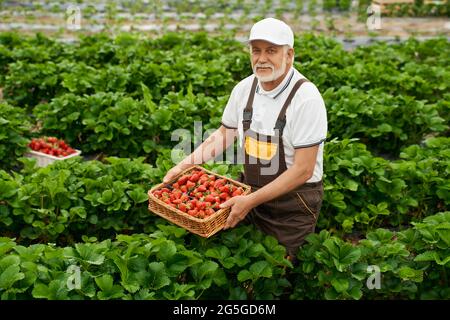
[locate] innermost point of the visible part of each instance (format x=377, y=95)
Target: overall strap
x=248, y=111
x=281, y=120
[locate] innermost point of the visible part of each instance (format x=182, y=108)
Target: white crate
x=44, y=159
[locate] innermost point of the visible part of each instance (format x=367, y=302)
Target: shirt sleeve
x=230, y=114
x=309, y=125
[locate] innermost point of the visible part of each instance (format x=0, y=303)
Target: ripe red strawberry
x=183, y=180
x=190, y=184
x=182, y=207
x=157, y=192
x=201, y=214
x=193, y=212
x=223, y=196
x=237, y=192
x=194, y=178
x=219, y=183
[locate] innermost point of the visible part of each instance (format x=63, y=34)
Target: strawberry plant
x=14, y=130
x=430, y=238
x=332, y=268
x=383, y=122
x=73, y=197
x=363, y=190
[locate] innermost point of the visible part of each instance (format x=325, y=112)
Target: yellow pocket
x=260, y=149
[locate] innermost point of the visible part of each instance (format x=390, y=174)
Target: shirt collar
x=279, y=89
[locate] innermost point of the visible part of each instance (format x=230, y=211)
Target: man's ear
x=290, y=54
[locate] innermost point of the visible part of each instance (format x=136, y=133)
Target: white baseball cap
x=272, y=30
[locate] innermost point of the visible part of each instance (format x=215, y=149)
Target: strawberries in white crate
x=48, y=149
x=52, y=146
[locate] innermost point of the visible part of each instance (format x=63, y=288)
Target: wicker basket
x=203, y=227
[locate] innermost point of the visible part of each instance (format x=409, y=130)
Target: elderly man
x=280, y=119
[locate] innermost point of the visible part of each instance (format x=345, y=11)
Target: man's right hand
x=175, y=171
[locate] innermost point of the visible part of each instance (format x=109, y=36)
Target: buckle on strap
x=247, y=116
x=280, y=124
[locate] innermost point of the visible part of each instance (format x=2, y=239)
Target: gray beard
x=276, y=74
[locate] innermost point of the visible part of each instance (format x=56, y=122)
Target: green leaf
x=343, y=254
x=332, y=247
x=219, y=253
x=351, y=184
x=271, y=243
x=221, y=169
x=79, y=211
x=166, y=250
x=108, y=289
x=172, y=230
x=6, y=245
x=244, y=275
x=348, y=255
x=204, y=273
x=341, y=285
x=105, y=282
x=220, y=278
x=355, y=292
x=385, y=127
x=138, y=195
x=56, y=290
x=87, y=253
x=41, y=291
x=256, y=250
x=407, y=273
x=158, y=277
x=10, y=276
x=162, y=117
x=7, y=189
x=107, y=197
x=307, y=266
x=177, y=264
x=261, y=269
x=180, y=291
x=151, y=106
x=427, y=256
x=432, y=256
x=331, y=294
x=240, y=260
x=9, y=260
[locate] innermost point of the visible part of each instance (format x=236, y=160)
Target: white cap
x=272, y=30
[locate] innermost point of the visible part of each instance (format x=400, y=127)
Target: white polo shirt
x=306, y=117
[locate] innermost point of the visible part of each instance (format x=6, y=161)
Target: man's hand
x=240, y=206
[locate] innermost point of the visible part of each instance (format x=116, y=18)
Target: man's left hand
x=240, y=206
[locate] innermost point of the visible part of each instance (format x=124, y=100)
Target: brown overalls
x=289, y=217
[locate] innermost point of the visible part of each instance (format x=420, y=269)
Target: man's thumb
x=227, y=203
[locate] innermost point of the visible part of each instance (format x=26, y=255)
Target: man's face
x=269, y=61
